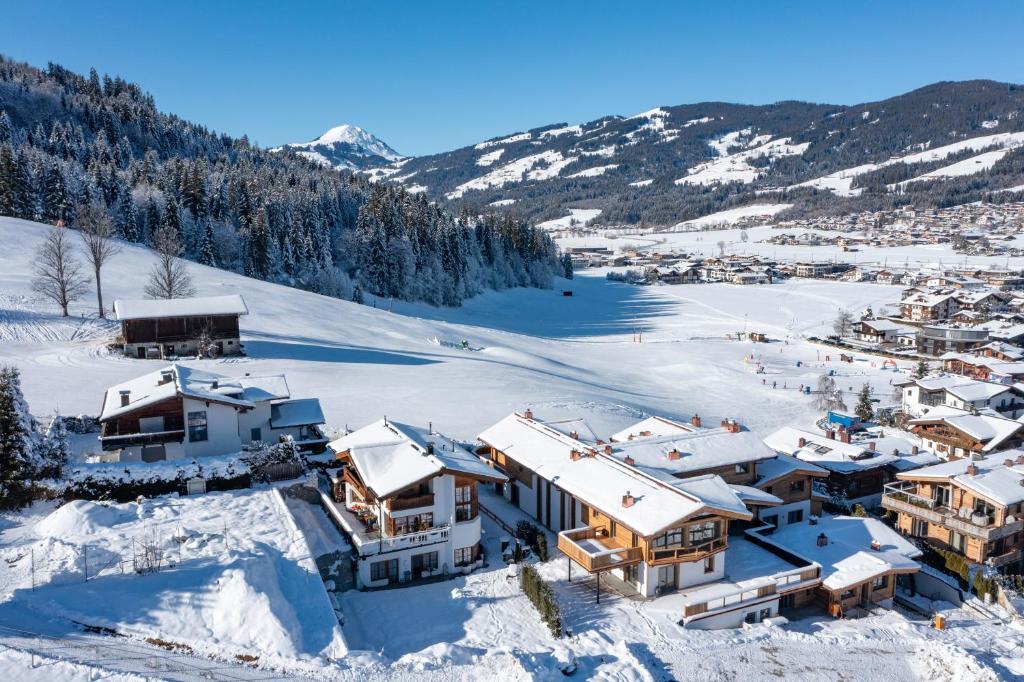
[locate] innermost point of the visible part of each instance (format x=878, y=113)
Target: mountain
x=946, y=143
x=67, y=141
x=345, y=147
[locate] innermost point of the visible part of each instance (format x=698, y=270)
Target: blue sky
x=428, y=77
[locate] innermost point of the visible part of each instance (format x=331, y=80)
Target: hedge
x=542, y=597
x=958, y=565
x=535, y=539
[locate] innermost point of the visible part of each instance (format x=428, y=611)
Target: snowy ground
x=610, y=353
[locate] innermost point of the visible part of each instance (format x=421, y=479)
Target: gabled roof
x=187, y=382
x=781, y=466
x=600, y=480
x=697, y=450
x=652, y=427
x=835, y=455
x=989, y=430
x=994, y=481
x=145, y=309
x=390, y=457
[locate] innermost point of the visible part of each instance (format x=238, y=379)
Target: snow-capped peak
x=345, y=146
x=357, y=137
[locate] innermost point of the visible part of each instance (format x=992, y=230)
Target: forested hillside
x=67, y=141
x=676, y=163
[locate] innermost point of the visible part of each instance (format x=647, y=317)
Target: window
x=709, y=564
x=255, y=435
x=796, y=486
x=743, y=468
x=750, y=617
x=880, y=583
x=384, y=570
x=464, y=503
x=703, y=532
x=771, y=519
x=464, y=556
x=197, y=426
x=673, y=538
x=413, y=523
x=765, y=613
x=425, y=562
x=847, y=594
x=795, y=516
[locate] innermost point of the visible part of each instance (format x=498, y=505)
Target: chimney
x=430, y=448
x=724, y=424
x=215, y=384
x=607, y=449
x=125, y=398
x=1020, y=459
x=830, y=434
x=674, y=455
x=822, y=540
x=876, y=545
x=735, y=426
x=166, y=376
x=627, y=500
x=575, y=455
x=574, y=435
x=695, y=421
x=528, y=414
x=872, y=445
x=629, y=461
x=972, y=469
x=1007, y=462
x=844, y=435
x=802, y=443
x=600, y=441
x=914, y=450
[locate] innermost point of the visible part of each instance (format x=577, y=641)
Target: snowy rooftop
x=697, y=450
x=833, y=454
x=391, y=457
x=783, y=465
x=177, y=379
x=602, y=481
x=848, y=559
x=977, y=390
x=141, y=309
x=990, y=430
x=652, y=427
x=299, y=412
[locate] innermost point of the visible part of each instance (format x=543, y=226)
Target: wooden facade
x=170, y=329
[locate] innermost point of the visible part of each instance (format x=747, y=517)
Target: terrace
x=903, y=496
x=595, y=551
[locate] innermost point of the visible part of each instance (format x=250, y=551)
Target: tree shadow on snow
x=320, y=352
x=597, y=307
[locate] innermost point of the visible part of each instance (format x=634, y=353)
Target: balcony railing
x=903, y=498
x=116, y=442
x=672, y=554
x=594, y=551
x=371, y=541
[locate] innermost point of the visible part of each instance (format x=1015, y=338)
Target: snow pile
x=235, y=574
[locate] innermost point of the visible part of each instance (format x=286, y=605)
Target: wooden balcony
x=902, y=498
x=116, y=442
x=690, y=553
x=596, y=552
x=409, y=502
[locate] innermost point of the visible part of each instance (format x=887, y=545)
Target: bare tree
x=169, y=277
x=843, y=323
x=721, y=248
x=98, y=236
x=58, y=274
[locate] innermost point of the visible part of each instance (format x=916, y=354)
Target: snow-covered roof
x=995, y=480
x=697, y=450
x=390, y=457
x=977, y=390
x=141, y=309
x=835, y=455
x=756, y=496
x=882, y=325
x=599, y=480
x=179, y=380
x=781, y=466
x=847, y=559
x=652, y=427
x=298, y=412
x=990, y=430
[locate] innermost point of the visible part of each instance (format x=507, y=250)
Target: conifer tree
x=19, y=441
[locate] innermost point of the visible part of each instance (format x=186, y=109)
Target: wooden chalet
x=163, y=328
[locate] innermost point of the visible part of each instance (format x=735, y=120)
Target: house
x=936, y=339
x=861, y=559
x=813, y=269
x=162, y=328
x=973, y=506
x=953, y=433
x=926, y=307
x=961, y=392
x=982, y=368
x=179, y=412
x=877, y=331
x=407, y=498
x=776, y=488
x=1000, y=350
x=857, y=471
x=654, y=535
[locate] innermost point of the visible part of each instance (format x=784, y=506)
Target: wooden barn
x=178, y=327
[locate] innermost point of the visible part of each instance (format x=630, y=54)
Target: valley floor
x=609, y=353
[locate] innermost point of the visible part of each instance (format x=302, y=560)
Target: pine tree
x=357, y=294
x=56, y=206
x=6, y=181
x=207, y=248
x=258, y=257
x=865, y=410
x=126, y=218
x=19, y=441
x=922, y=369
x=6, y=128
x=56, y=449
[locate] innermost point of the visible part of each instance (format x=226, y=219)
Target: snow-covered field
x=610, y=353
